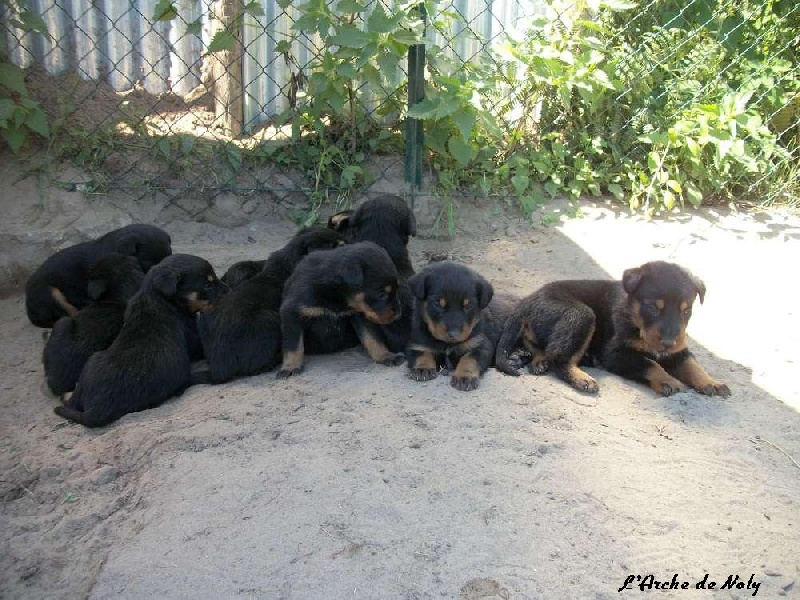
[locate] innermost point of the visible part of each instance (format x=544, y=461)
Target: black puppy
x=59, y=286
x=148, y=362
x=241, y=331
x=358, y=278
x=456, y=322
x=241, y=271
x=635, y=328
x=387, y=221
x=112, y=283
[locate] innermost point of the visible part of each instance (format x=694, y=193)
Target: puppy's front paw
x=465, y=384
x=539, y=366
x=422, y=374
x=508, y=366
x=668, y=388
x=286, y=373
x=715, y=388
x=393, y=360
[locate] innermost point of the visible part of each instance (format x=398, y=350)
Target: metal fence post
x=414, y=127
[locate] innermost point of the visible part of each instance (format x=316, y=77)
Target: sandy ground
x=352, y=480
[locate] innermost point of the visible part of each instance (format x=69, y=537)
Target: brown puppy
x=635, y=328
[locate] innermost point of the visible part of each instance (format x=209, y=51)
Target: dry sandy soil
x=352, y=480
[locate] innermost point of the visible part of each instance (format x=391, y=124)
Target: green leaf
x=11, y=76
x=283, y=47
x=668, y=200
x=378, y=21
x=222, y=40
x=15, y=137
x=617, y=190
x=693, y=194
x=31, y=21
x=465, y=121
x=349, y=175
x=350, y=6
x=460, y=150
x=37, y=122
x=7, y=108
x=350, y=36
x=164, y=147
x=347, y=70
x=675, y=186
x=284, y=4
x=164, y=11
x=254, y=8
x=520, y=181
x=195, y=27
x=424, y=109
x=653, y=160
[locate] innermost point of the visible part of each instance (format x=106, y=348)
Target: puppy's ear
x=484, y=291
x=166, y=281
x=631, y=279
x=417, y=285
x=353, y=275
x=698, y=284
x=412, y=223
x=96, y=288
x=340, y=221
x=127, y=245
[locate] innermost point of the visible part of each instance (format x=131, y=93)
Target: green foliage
x=674, y=104
x=20, y=115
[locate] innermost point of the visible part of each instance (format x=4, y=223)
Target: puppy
x=358, y=278
x=456, y=322
x=148, y=362
x=635, y=328
x=59, y=286
x=388, y=222
x=112, y=283
x=241, y=331
x=241, y=271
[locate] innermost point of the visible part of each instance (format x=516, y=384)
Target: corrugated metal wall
x=117, y=42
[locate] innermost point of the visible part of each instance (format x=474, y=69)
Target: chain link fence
x=657, y=103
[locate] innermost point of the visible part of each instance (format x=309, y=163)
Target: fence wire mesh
x=658, y=103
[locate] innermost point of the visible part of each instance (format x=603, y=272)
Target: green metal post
x=414, y=129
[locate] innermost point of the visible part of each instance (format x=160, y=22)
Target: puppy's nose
x=454, y=333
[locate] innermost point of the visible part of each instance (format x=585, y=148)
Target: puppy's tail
x=86, y=418
x=511, y=332
x=69, y=413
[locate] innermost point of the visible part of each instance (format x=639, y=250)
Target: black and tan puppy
x=456, y=321
x=389, y=222
x=112, y=283
x=635, y=328
x=241, y=331
x=354, y=279
x=59, y=286
x=148, y=362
